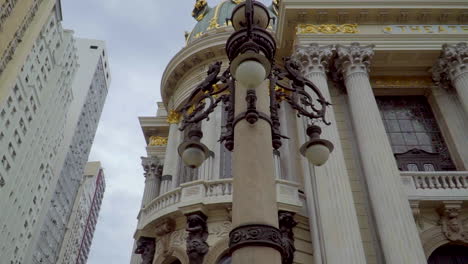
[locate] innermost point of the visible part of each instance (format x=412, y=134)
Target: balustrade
x=435, y=184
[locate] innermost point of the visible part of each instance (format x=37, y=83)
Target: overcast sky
x=142, y=36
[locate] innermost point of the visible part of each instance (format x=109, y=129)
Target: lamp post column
x=395, y=224
x=254, y=196
x=452, y=70
x=343, y=243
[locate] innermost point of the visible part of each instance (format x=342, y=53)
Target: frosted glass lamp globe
x=317, y=154
x=250, y=73
x=193, y=156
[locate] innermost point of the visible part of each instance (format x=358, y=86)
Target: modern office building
x=90, y=89
x=80, y=227
x=394, y=189
x=33, y=114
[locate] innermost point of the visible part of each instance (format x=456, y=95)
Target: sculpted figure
x=286, y=225
x=145, y=248
x=196, y=239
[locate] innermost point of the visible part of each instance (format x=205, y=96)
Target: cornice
x=202, y=50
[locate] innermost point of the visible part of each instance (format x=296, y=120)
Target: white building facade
x=90, y=88
x=33, y=118
x=80, y=227
x=395, y=188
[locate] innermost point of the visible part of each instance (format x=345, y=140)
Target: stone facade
x=363, y=205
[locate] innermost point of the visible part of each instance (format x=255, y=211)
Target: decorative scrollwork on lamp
x=251, y=50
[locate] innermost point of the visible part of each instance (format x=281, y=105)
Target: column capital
x=353, y=59
x=453, y=62
x=314, y=58
x=152, y=166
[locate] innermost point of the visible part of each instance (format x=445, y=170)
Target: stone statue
x=196, y=239
x=452, y=226
x=146, y=248
x=286, y=225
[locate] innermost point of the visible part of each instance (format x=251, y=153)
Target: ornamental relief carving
x=220, y=230
x=452, y=224
x=452, y=62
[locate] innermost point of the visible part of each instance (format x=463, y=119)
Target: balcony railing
x=210, y=193
x=436, y=185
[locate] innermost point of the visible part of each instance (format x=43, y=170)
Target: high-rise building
x=90, y=89
x=80, y=227
x=33, y=113
x=395, y=187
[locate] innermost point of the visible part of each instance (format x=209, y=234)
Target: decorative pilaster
x=338, y=217
x=172, y=157
x=452, y=70
x=395, y=224
x=196, y=240
x=153, y=171
x=163, y=231
x=146, y=248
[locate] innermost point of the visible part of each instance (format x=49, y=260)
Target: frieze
x=401, y=82
x=157, y=141
x=256, y=235
x=327, y=29
x=425, y=29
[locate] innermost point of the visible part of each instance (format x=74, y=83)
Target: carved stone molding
x=197, y=236
x=152, y=166
x=452, y=225
x=452, y=62
x=163, y=232
x=255, y=235
x=314, y=58
x=352, y=59
x=416, y=213
x=286, y=225
x=146, y=248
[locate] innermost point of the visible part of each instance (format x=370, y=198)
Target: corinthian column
x=396, y=228
x=452, y=70
x=337, y=213
x=153, y=170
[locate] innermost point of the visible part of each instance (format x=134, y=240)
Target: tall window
x=415, y=137
x=225, y=154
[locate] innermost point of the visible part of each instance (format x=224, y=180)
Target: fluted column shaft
x=153, y=169
x=452, y=70
x=339, y=224
x=461, y=85
x=169, y=174
x=396, y=228
x=457, y=123
x=152, y=185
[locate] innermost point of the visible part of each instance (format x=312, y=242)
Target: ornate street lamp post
x=250, y=90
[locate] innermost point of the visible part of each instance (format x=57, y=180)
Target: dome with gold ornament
x=212, y=18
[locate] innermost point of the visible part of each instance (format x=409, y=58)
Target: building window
x=93, y=47
x=449, y=254
x=414, y=135
x=225, y=154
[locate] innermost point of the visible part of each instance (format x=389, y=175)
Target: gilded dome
x=211, y=18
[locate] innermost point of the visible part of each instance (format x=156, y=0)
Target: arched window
x=449, y=254
x=226, y=259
